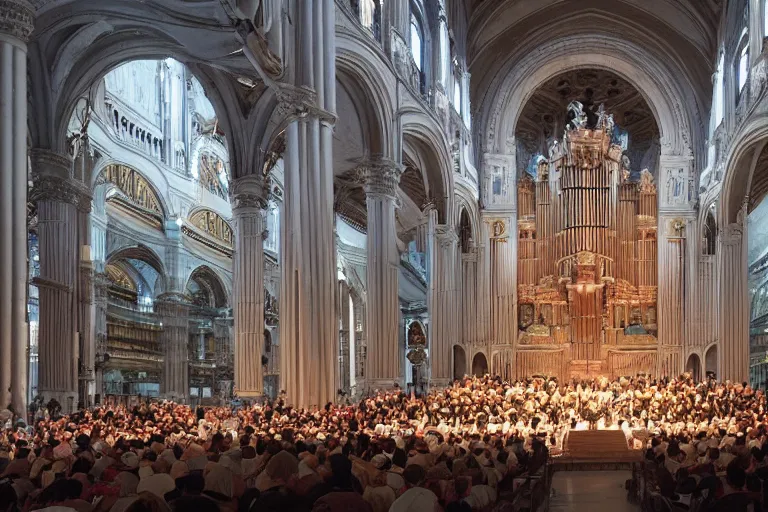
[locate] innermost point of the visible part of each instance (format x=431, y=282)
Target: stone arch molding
x=520, y=78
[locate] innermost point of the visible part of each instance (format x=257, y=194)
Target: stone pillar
x=174, y=312
x=309, y=335
x=248, y=290
x=443, y=300
x=381, y=178
x=345, y=330
x=61, y=203
x=671, y=294
x=16, y=24
x=733, y=350
x=101, y=287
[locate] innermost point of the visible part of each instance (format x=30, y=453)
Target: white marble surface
x=586, y=491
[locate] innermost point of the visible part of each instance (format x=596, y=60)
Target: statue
x=577, y=115
x=646, y=182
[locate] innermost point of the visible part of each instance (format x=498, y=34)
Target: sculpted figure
x=577, y=115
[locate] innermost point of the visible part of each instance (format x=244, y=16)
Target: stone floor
x=587, y=491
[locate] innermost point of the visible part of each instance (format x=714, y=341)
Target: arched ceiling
x=681, y=34
x=544, y=115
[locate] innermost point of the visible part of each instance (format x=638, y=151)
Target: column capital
x=52, y=188
x=249, y=192
x=446, y=234
x=17, y=18
x=379, y=176
x=732, y=234
x=295, y=102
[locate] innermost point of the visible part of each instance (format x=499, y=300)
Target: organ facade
x=587, y=261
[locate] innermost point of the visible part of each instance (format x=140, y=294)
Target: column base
x=67, y=399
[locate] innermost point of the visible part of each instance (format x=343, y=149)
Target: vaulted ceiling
x=680, y=33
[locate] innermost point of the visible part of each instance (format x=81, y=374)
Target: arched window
x=765, y=18
x=742, y=71
x=718, y=93
x=456, y=94
x=417, y=39
x=465, y=232
x=709, y=240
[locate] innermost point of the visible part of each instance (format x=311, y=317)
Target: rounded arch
x=91, y=44
x=466, y=200
x=97, y=179
x=367, y=88
x=740, y=163
x=144, y=254
x=693, y=366
x=207, y=288
x=479, y=365
x=425, y=145
x=459, y=362
x=711, y=359
x=138, y=252
x=517, y=81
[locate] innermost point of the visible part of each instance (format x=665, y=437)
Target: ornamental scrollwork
x=212, y=224
x=134, y=186
x=17, y=18
x=380, y=177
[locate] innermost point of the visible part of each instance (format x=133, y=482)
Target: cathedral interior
x=222, y=200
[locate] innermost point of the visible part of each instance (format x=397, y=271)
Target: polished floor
x=586, y=491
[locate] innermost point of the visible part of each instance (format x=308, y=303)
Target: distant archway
x=479, y=365
x=459, y=362
x=693, y=366
x=710, y=361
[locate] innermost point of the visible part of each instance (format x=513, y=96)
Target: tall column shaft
x=248, y=278
x=101, y=287
x=16, y=24
x=60, y=202
x=443, y=301
x=174, y=312
x=733, y=350
x=671, y=295
x=309, y=334
x=383, y=266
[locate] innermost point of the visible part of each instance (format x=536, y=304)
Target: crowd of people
x=465, y=447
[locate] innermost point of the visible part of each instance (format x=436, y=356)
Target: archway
x=479, y=365
x=693, y=366
x=459, y=362
x=710, y=361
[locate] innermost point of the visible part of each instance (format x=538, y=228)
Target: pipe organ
x=586, y=262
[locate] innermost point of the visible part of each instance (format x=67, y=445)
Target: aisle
x=585, y=491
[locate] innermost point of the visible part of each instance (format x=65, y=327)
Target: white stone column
x=174, y=312
x=671, y=300
x=16, y=24
x=248, y=290
x=443, y=301
x=101, y=287
x=308, y=330
x=381, y=178
x=60, y=203
x=733, y=349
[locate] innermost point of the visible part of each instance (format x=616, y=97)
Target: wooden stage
x=597, y=449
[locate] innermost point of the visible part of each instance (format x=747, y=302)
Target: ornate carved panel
x=210, y=168
x=213, y=225
x=119, y=277
x=135, y=193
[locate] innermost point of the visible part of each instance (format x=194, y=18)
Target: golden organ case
x=587, y=278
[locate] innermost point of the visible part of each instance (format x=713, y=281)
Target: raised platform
x=597, y=449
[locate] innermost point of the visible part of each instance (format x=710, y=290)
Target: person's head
x=735, y=475
x=8, y=498
x=414, y=475
x=148, y=502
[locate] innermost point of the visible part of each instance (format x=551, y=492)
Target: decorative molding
x=17, y=18
x=119, y=277
x=732, y=234
x=250, y=191
x=52, y=188
x=380, y=177
x=211, y=223
x=135, y=187
x=295, y=102
x=209, y=169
